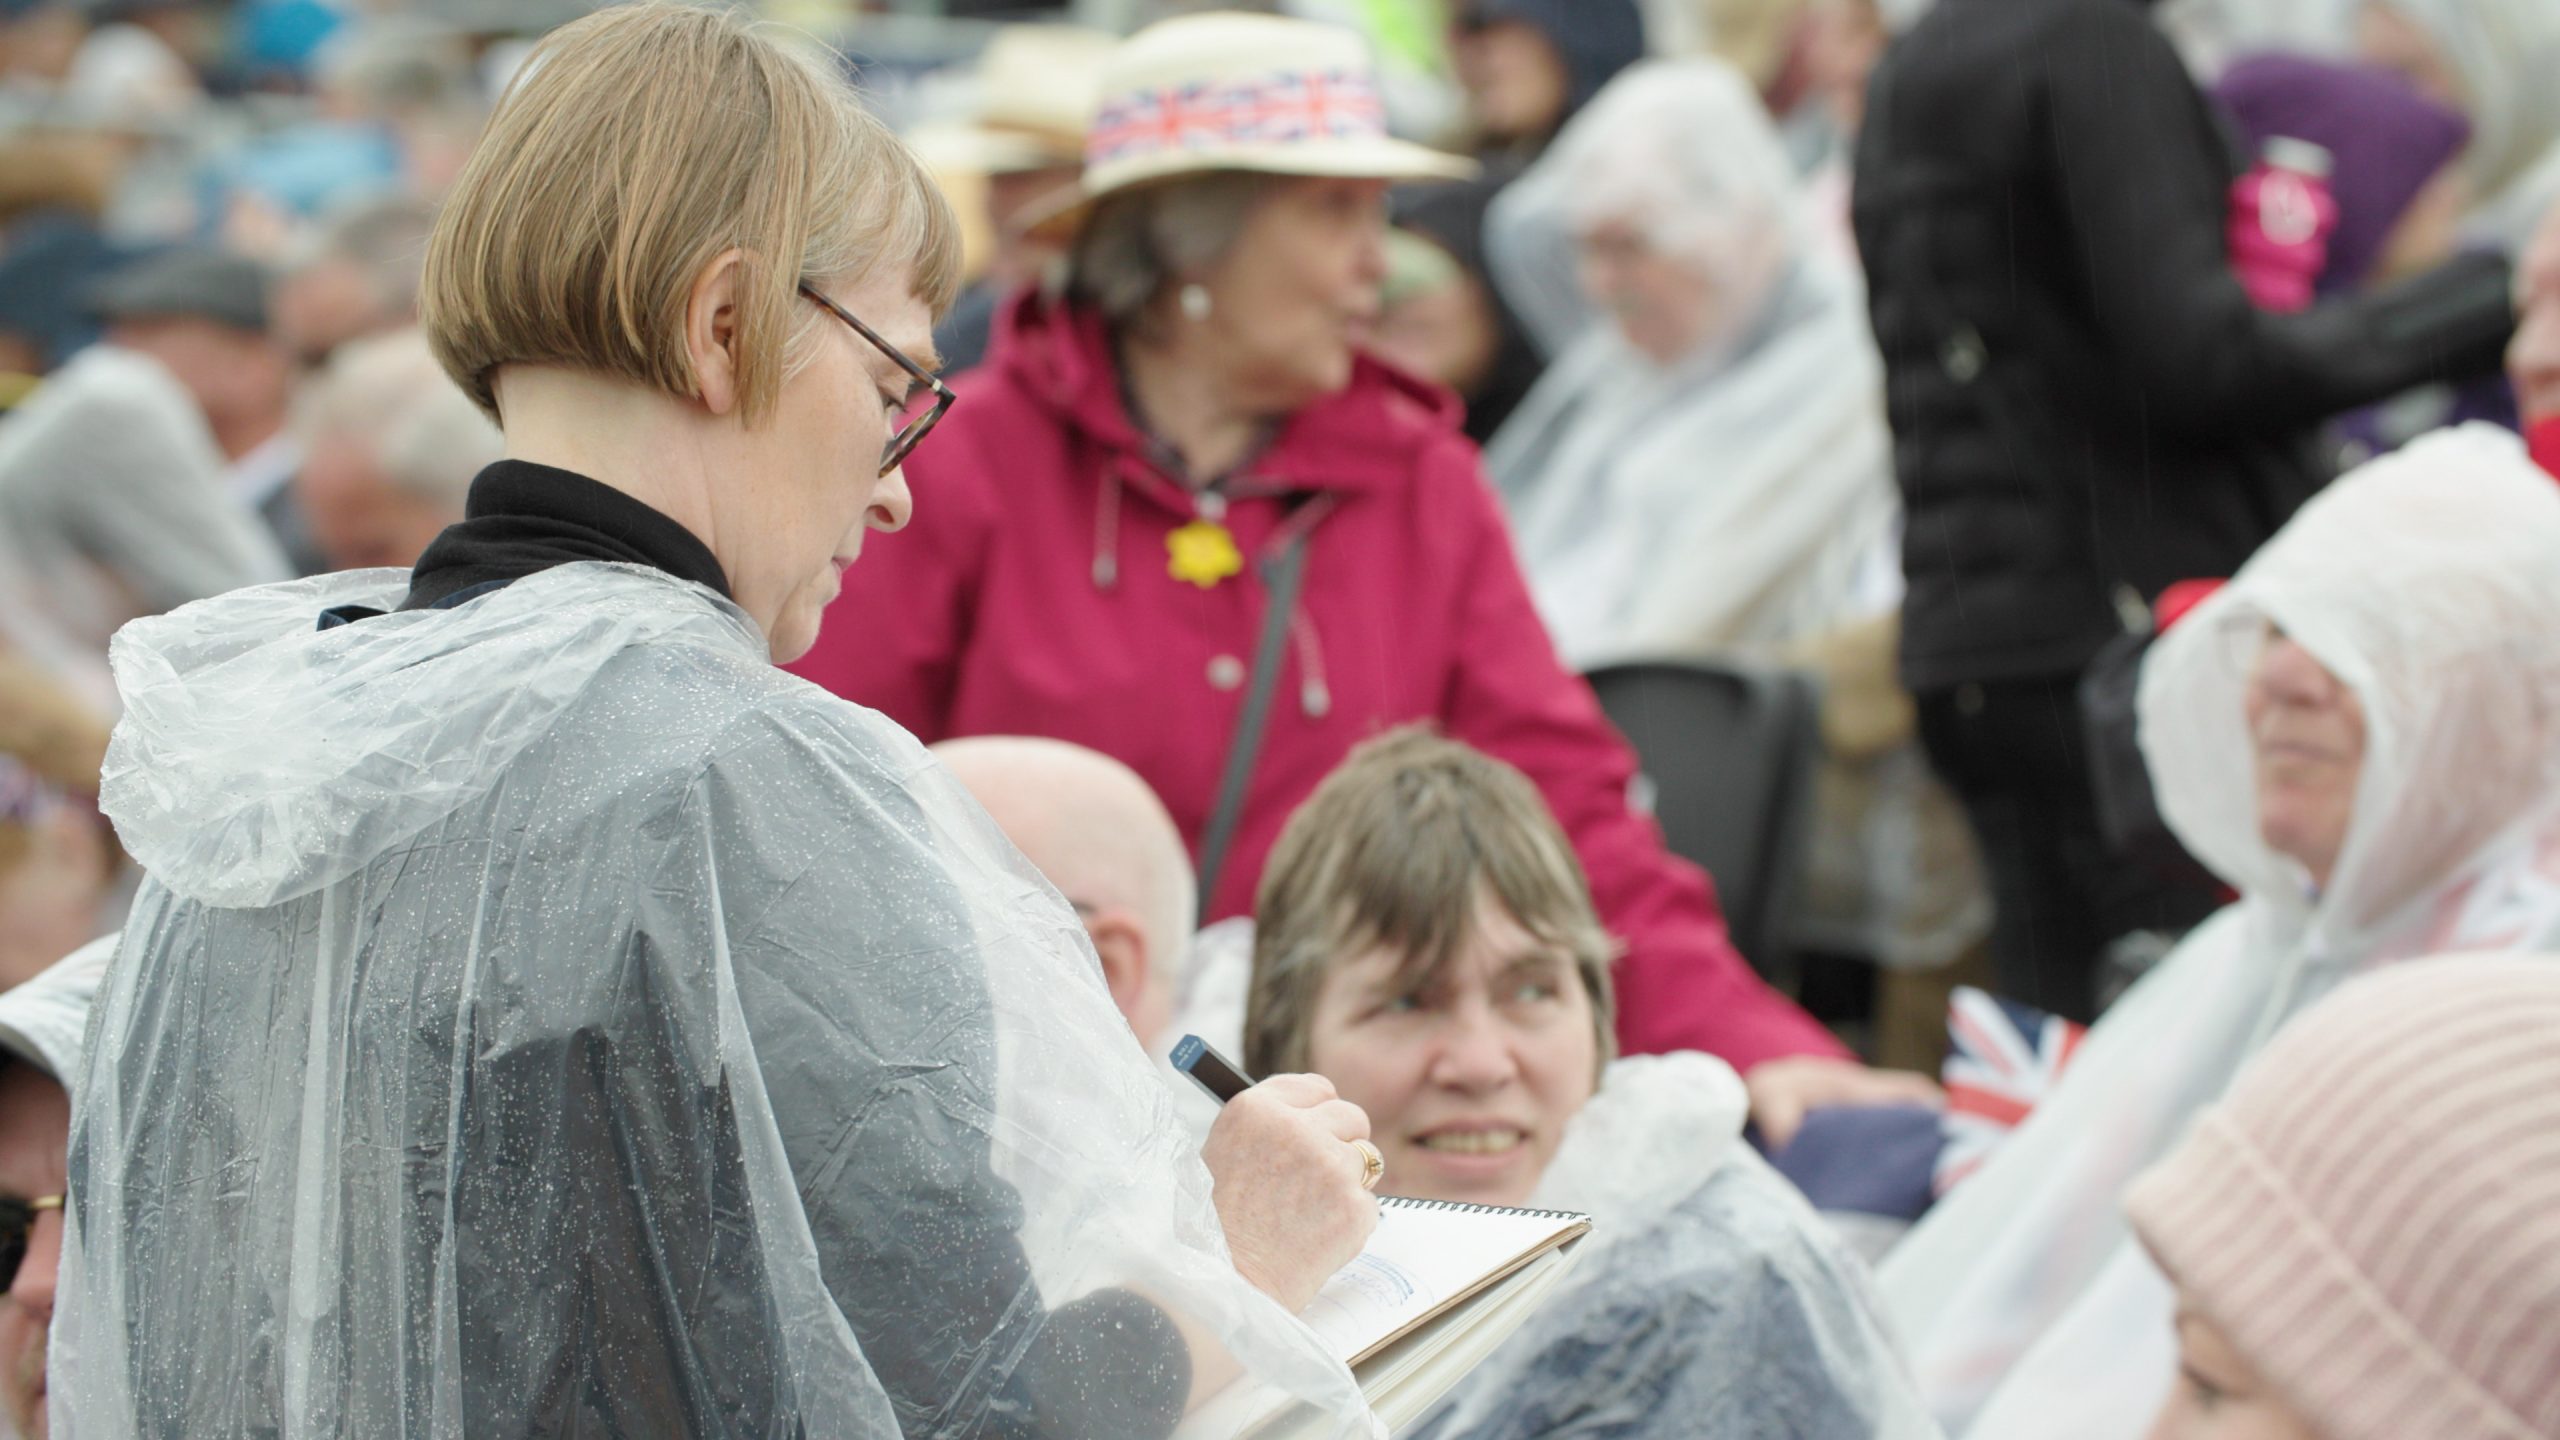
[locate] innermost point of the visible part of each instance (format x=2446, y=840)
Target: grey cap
x=209, y=284
x=46, y=1020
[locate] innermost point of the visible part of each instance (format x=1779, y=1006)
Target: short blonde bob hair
x=637, y=146
x=1395, y=849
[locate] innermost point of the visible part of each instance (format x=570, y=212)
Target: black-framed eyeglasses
x=902, y=444
x=17, y=1227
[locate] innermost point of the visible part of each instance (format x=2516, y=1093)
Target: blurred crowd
x=1953, y=566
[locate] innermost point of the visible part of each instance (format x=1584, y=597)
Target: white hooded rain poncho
x=2428, y=584
x=1743, y=496
x=544, y=1017
x=1709, y=1299
x=2501, y=55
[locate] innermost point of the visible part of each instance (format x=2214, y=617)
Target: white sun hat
x=1033, y=97
x=1222, y=91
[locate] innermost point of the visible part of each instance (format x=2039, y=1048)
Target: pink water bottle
x=2281, y=217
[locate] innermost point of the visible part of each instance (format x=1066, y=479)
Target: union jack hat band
x=1289, y=108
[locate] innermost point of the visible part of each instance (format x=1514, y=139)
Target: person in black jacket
x=2087, y=408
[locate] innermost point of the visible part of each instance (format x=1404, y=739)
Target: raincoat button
x=1226, y=672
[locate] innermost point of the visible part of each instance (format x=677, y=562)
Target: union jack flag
x=2007, y=1058
x=1274, y=109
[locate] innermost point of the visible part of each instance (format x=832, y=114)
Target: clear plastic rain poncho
x=2428, y=583
x=1709, y=1300
x=1742, y=496
x=545, y=1017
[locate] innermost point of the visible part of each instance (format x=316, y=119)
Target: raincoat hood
x=261, y=758
x=1741, y=496
x=1731, y=210
x=1595, y=38
x=2426, y=582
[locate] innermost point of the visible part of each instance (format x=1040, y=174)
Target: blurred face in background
x=1843, y=40
x=41, y=42
x=1517, y=85
x=1019, y=257
x=324, y=305
x=56, y=865
x=2533, y=360
x=357, y=517
x=1470, y=1077
x=2386, y=38
x=1664, y=306
x=1299, y=290
x=2308, y=733
x=1442, y=327
x=2427, y=233
x=241, y=379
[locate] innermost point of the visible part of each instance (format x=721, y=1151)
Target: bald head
x=1090, y=825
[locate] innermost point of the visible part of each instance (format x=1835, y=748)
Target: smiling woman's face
x=1469, y=1080
x=2307, y=732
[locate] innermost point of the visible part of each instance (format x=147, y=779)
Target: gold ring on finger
x=1373, y=1166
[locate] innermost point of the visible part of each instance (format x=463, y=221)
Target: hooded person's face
x=1517, y=85
x=1665, y=306
x=2308, y=733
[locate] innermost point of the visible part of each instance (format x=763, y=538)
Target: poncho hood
x=261, y=757
x=2425, y=582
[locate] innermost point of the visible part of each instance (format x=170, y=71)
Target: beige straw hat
x=1222, y=91
x=1035, y=89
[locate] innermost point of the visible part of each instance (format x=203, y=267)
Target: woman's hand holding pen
x=1287, y=1185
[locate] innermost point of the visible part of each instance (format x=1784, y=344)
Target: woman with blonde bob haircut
x=1424, y=940
x=542, y=1015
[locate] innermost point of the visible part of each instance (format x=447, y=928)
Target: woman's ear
x=711, y=330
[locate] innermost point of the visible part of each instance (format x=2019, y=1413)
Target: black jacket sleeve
x=2127, y=130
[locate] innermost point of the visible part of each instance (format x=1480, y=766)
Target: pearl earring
x=1195, y=302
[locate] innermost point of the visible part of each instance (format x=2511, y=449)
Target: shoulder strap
x=1281, y=570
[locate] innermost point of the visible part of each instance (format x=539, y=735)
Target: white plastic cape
x=545, y=1017
x=2503, y=54
x=1742, y=497
x=1710, y=1300
x=2427, y=582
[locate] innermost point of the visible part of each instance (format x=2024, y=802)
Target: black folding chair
x=1730, y=751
